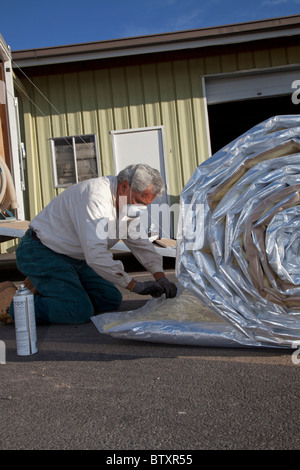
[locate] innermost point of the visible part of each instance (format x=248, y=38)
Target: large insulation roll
x=248, y=267
x=238, y=253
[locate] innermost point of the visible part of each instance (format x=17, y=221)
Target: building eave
x=5, y=53
x=166, y=42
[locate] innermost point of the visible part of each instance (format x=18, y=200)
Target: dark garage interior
x=227, y=121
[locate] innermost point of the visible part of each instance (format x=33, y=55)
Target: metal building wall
x=98, y=101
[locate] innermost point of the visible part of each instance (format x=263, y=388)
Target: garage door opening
x=227, y=121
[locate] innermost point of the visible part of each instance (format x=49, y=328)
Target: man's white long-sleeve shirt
x=81, y=223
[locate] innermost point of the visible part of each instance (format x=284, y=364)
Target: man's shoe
x=7, y=292
x=30, y=286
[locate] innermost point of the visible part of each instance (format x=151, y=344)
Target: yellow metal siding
x=99, y=101
x=105, y=119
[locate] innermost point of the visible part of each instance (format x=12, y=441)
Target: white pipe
x=10, y=197
x=3, y=183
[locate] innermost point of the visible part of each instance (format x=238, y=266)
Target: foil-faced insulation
x=238, y=250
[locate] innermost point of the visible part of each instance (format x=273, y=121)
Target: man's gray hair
x=142, y=176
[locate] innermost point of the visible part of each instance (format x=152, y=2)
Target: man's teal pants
x=69, y=290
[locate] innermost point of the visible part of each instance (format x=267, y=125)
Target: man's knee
x=109, y=299
x=84, y=311
x=117, y=299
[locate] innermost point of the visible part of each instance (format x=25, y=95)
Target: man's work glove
x=169, y=287
x=147, y=288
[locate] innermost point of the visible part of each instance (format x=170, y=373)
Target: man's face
x=144, y=198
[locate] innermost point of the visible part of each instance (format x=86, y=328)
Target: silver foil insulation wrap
x=247, y=266
x=238, y=250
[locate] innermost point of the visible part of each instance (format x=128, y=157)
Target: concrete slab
x=87, y=391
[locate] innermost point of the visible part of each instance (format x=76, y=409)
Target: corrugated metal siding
x=98, y=101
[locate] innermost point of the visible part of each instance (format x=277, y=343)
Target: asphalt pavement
x=88, y=391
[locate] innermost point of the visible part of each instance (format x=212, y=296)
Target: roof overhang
x=175, y=41
x=4, y=50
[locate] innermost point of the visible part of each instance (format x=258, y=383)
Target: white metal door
x=144, y=145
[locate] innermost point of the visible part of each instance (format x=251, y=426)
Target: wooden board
x=166, y=242
x=12, y=229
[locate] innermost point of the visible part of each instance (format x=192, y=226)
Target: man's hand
x=169, y=287
x=147, y=288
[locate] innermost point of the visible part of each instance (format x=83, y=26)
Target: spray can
x=25, y=324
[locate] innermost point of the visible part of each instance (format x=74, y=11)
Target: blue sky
x=33, y=23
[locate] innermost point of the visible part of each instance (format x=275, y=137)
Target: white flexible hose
x=9, y=197
x=3, y=183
